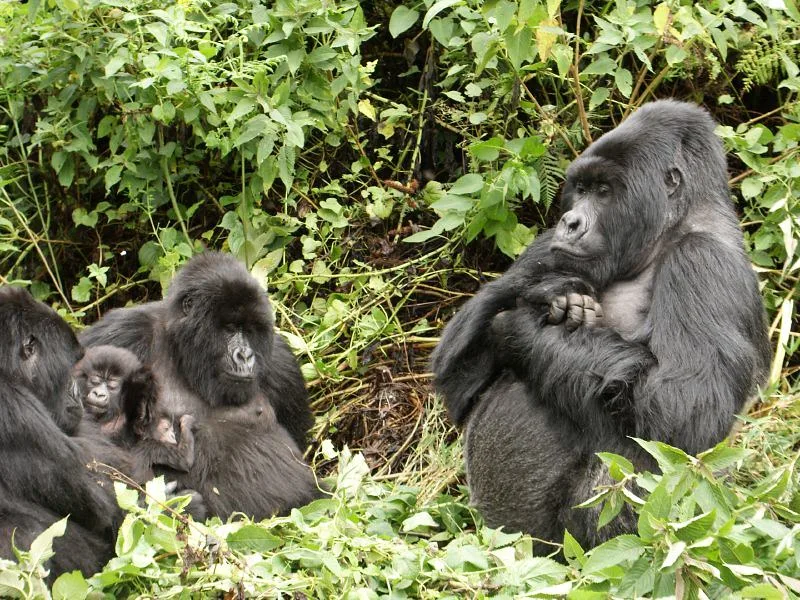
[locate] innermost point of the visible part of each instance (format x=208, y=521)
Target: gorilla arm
x=686, y=384
x=54, y=465
x=465, y=362
x=709, y=337
x=586, y=375
x=285, y=390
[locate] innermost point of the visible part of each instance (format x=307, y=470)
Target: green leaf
x=115, y=64
x=111, y=177
x=81, y=218
x=667, y=456
x=467, y=184
x=252, y=538
x=599, y=96
x=661, y=17
x=42, y=546
x=723, y=456
x=67, y=172
x=695, y=528
x=624, y=81
x=488, y=150
x=402, y=19
x=424, y=236
x=601, y=66
x=436, y=9
x=519, y=46
x=466, y=558
x=614, y=552
x=70, y=586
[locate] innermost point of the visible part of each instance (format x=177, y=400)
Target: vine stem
x=171, y=191
x=576, y=76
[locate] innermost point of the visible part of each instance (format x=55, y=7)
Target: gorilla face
x=219, y=328
x=621, y=197
x=101, y=376
x=42, y=349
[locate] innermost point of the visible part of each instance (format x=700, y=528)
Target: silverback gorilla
x=212, y=347
x=638, y=315
x=43, y=476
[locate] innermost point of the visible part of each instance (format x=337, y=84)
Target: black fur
x=132, y=416
x=648, y=230
x=211, y=332
x=43, y=476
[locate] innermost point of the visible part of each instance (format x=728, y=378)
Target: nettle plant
x=185, y=119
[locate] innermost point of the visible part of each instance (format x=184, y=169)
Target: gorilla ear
x=673, y=179
x=186, y=304
x=28, y=347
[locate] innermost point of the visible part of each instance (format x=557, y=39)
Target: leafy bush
x=374, y=163
x=698, y=536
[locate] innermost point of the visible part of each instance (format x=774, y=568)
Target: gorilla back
x=637, y=315
x=211, y=345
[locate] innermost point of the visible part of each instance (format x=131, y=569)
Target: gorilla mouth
x=569, y=251
x=240, y=376
x=94, y=406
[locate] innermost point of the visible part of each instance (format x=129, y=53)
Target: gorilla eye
x=579, y=188
x=186, y=304
x=113, y=383
x=28, y=347
x=603, y=189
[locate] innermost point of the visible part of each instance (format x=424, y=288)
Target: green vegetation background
x=373, y=163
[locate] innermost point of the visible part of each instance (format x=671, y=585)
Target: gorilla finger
x=575, y=299
x=575, y=317
x=589, y=318
x=598, y=314
x=501, y=323
x=558, y=309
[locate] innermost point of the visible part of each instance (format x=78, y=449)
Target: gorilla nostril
x=573, y=224
x=244, y=358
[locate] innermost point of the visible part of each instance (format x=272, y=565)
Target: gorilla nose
x=98, y=397
x=244, y=359
x=571, y=226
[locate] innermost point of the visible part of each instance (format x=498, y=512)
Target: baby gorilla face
x=101, y=393
x=164, y=432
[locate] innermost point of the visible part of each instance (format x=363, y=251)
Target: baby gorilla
x=120, y=397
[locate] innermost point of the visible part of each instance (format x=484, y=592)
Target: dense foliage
x=370, y=163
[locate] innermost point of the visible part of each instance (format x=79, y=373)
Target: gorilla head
x=219, y=328
x=102, y=376
x=629, y=191
x=43, y=352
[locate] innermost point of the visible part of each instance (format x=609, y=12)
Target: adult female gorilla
x=43, y=476
x=639, y=315
x=212, y=347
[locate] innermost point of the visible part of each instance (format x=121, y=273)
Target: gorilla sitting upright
x=211, y=345
x=638, y=315
x=43, y=474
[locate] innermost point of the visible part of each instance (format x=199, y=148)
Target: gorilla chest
x=626, y=305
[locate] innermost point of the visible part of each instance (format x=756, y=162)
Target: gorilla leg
x=527, y=467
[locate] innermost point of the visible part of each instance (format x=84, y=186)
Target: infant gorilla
x=120, y=397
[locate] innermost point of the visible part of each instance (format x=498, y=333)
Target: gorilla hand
x=568, y=300
x=574, y=310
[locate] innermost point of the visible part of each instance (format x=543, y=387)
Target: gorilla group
x=213, y=350
x=197, y=386
x=638, y=315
